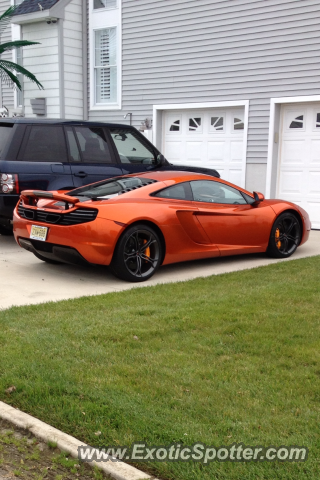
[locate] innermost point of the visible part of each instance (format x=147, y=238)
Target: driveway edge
x=66, y=443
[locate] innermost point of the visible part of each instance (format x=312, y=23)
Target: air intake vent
x=81, y=215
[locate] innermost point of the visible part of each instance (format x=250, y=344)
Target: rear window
x=5, y=131
x=44, y=144
x=111, y=188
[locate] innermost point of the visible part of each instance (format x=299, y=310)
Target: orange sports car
x=136, y=223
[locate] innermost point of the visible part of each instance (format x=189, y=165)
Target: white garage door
x=207, y=138
x=299, y=171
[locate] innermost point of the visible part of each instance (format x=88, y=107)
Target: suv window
x=93, y=145
x=44, y=143
x=5, y=130
x=131, y=147
x=215, y=192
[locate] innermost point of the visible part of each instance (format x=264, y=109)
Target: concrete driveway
x=26, y=280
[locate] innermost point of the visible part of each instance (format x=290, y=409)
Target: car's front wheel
x=138, y=254
x=285, y=236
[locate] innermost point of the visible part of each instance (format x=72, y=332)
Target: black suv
x=63, y=155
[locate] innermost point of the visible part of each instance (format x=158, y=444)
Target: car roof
x=61, y=121
x=175, y=175
x=183, y=176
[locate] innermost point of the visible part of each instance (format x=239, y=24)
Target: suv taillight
x=9, y=183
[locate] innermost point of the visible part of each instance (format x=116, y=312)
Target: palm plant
x=9, y=70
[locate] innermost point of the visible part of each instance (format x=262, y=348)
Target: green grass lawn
x=224, y=359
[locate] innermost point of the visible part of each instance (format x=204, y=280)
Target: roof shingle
x=30, y=6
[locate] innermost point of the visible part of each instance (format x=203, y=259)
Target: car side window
x=177, y=192
x=93, y=145
x=44, y=143
x=74, y=153
x=210, y=191
x=131, y=147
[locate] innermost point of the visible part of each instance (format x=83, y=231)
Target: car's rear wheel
x=285, y=236
x=5, y=230
x=138, y=254
x=44, y=259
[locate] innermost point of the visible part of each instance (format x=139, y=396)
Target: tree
x=9, y=70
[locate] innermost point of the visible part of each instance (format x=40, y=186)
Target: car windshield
x=111, y=188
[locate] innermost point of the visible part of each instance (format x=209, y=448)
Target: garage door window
x=318, y=121
x=297, y=122
x=217, y=123
x=195, y=124
x=238, y=124
x=175, y=126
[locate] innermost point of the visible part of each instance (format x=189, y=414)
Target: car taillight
x=9, y=183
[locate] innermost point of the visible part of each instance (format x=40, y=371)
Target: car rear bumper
x=50, y=251
x=92, y=242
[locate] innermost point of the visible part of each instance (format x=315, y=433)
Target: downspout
x=61, y=68
x=85, y=58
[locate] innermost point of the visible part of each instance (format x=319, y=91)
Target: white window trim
x=93, y=27
x=272, y=142
x=157, y=122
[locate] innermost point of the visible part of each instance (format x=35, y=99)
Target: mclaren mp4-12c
x=136, y=223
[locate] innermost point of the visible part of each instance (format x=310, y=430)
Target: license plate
x=39, y=233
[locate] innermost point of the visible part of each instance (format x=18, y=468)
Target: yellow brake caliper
x=277, y=235
x=147, y=250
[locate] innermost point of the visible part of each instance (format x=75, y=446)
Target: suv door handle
x=80, y=174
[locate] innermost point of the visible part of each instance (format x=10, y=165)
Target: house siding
x=6, y=90
x=43, y=61
x=73, y=61
x=190, y=51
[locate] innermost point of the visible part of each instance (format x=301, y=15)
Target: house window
x=105, y=67
x=104, y=4
x=20, y=78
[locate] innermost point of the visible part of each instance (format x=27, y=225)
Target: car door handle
x=80, y=174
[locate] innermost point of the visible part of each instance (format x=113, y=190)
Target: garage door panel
x=314, y=183
x=290, y=182
x=315, y=152
x=194, y=151
x=236, y=152
x=235, y=175
x=313, y=208
x=293, y=151
x=216, y=151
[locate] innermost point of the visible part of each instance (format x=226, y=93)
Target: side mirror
x=161, y=160
x=258, y=197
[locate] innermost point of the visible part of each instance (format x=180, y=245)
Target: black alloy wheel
x=138, y=254
x=285, y=236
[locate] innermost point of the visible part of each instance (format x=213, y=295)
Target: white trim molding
x=275, y=136
x=100, y=19
x=157, y=123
